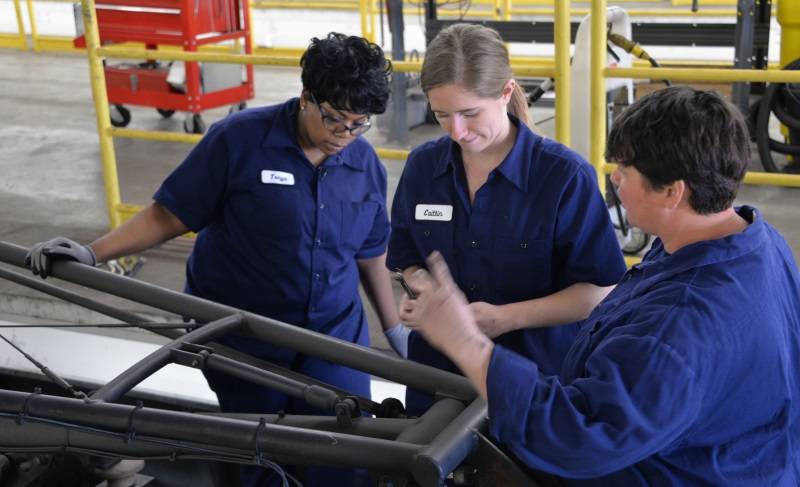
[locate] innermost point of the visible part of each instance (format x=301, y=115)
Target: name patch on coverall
x=441, y=213
x=277, y=177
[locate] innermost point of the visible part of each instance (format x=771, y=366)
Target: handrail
x=599, y=73
x=119, y=211
x=493, y=9
x=18, y=40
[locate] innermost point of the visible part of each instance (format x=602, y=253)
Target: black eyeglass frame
x=339, y=126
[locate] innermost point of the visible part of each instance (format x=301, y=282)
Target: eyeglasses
x=336, y=126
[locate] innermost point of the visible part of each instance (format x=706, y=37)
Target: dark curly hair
x=682, y=133
x=350, y=73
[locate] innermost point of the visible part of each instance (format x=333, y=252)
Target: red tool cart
x=190, y=87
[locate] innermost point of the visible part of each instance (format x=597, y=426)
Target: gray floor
x=51, y=181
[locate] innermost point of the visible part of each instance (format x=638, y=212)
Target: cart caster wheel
x=194, y=124
x=238, y=107
x=165, y=113
x=119, y=115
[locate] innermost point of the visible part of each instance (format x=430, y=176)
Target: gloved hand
x=40, y=256
x=398, y=339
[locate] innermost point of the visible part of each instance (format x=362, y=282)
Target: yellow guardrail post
x=22, y=39
x=363, y=12
x=562, y=70
x=597, y=83
x=789, y=19
x=34, y=30
x=98, y=78
x=252, y=32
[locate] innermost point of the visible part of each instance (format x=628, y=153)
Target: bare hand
x=445, y=319
x=409, y=310
x=489, y=318
x=440, y=312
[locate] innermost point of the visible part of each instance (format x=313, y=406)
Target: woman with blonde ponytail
x=517, y=217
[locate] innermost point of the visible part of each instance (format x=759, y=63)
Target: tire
x=119, y=115
x=237, y=107
x=194, y=124
x=165, y=113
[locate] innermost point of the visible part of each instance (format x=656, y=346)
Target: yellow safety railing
x=119, y=212
x=598, y=116
x=18, y=40
x=368, y=10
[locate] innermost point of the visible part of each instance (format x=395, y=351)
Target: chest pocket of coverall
x=277, y=213
x=520, y=267
x=357, y=220
x=433, y=235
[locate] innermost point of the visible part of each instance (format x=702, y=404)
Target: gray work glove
x=398, y=339
x=40, y=257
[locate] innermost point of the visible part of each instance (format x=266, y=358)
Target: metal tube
x=385, y=428
x=562, y=71
x=100, y=96
x=34, y=29
x=162, y=357
x=316, y=396
x=399, y=132
x=421, y=377
x=42, y=286
x=442, y=412
x=282, y=443
x=692, y=74
x=22, y=38
x=455, y=443
x=125, y=316
x=597, y=86
x=743, y=51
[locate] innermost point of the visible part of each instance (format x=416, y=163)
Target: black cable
x=47, y=372
x=534, y=95
x=634, y=49
x=773, y=101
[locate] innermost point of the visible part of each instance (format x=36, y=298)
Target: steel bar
x=316, y=396
x=282, y=443
x=418, y=376
x=442, y=411
x=128, y=317
x=743, y=51
x=384, y=428
x=366, y=404
x=163, y=357
x=55, y=291
x=455, y=443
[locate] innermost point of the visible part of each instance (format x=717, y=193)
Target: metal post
x=399, y=132
x=743, y=50
x=761, y=49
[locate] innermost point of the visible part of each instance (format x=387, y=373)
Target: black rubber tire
x=165, y=113
x=194, y=124
x=121, y=118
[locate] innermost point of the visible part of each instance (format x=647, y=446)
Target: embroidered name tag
x=277, y=177
x=441, y=213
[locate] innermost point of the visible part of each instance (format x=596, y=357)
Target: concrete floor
x=51, y=181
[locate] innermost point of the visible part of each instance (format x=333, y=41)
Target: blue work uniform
x=688, y=373
x=280, y=238
x=538, y=225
